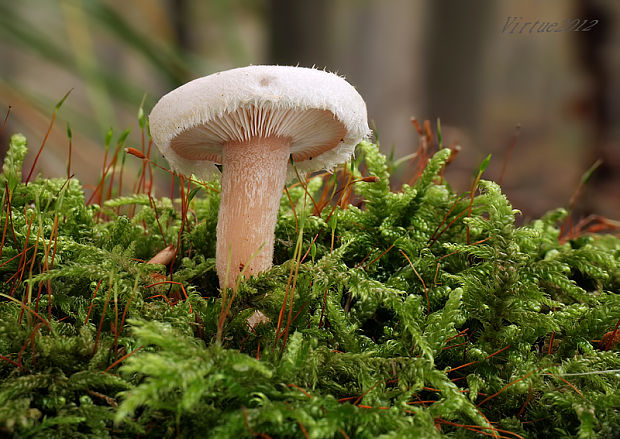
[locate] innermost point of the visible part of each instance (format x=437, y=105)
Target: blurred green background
x=445, y=59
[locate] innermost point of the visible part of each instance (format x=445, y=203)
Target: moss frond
x=415, y=313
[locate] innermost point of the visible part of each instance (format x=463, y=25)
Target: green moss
x=400, y=316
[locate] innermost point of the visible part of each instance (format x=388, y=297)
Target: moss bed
x=412, y=313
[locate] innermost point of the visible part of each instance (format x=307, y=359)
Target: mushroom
x=251, y=120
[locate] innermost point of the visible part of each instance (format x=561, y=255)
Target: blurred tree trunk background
x=600, y=105
x=450, y=60
x=377, y=45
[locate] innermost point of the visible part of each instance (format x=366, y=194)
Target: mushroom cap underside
x=321, y=114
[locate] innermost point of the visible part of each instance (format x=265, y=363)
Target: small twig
x=109, y=400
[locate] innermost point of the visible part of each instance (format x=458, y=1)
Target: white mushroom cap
x=322, y=114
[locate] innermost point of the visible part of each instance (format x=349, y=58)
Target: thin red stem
x=511, y=147
x=92, y=301
x=123, y=358
x=505, y=387
x=8, y=111
x=428, y=302
x=175, y=283
x=105, y=308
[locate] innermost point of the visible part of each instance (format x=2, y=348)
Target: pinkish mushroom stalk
x=251, y=120
x=253, y=175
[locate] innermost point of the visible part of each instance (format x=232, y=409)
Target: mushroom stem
x=253, y=175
